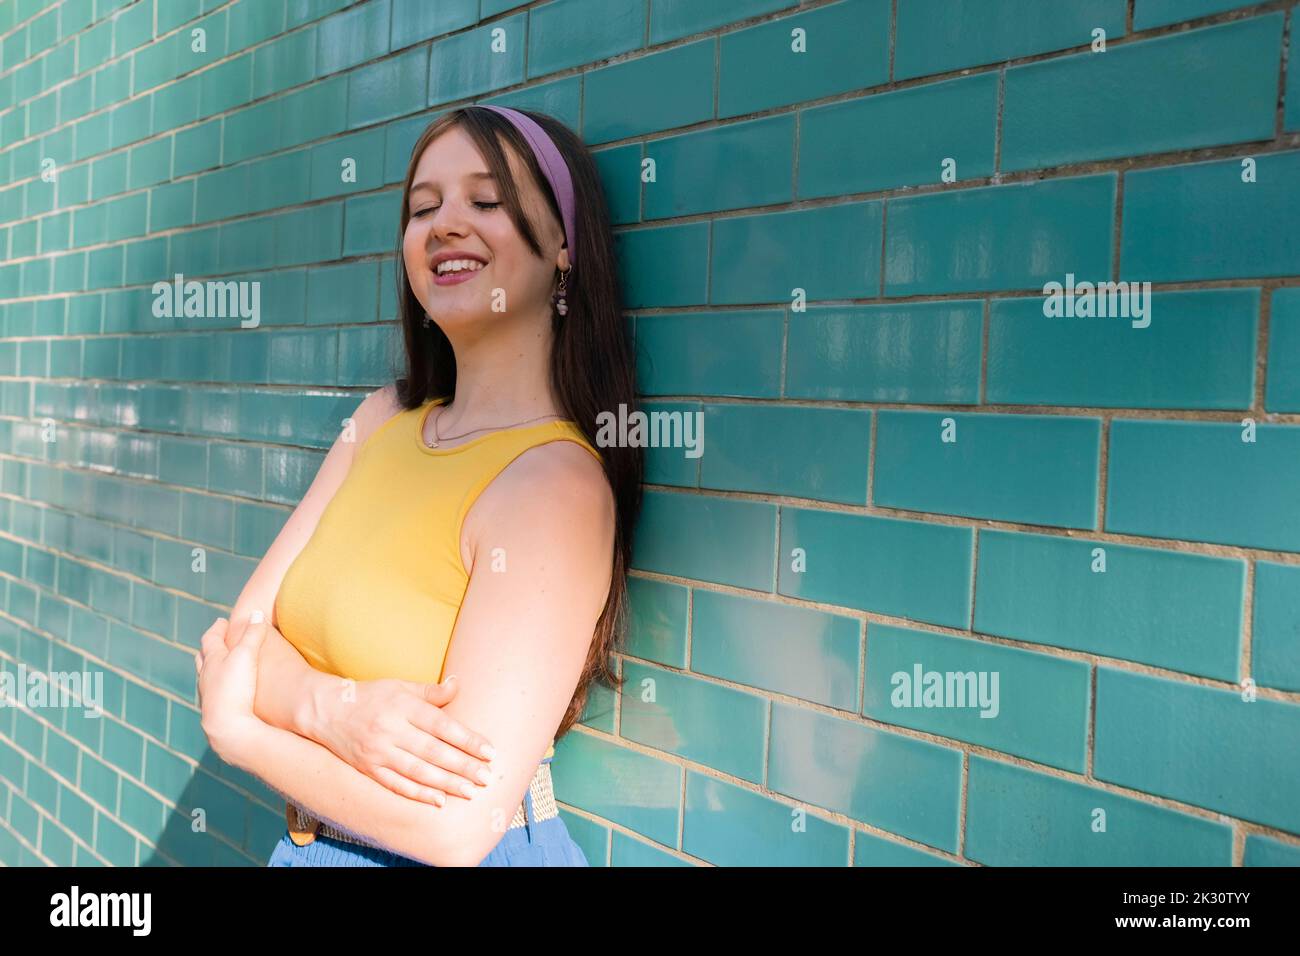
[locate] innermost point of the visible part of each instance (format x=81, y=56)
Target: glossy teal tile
x=400, y=138
x=1170, y=609
x=674, y=433
x=315, y=111
x=1201, y=221
x=390, y=88
x=728, y=825
x=1282, y=382
x=256, y=527
x=591, y=837
x=1019, y=817
x=1291, y=118
x=957, y=464
x=830, y=49
x=1217, y=751
x=369, y=223
x=490, y=8
x=626, y=851
x=1202, y=88
x=108, y=175
x=905, y=138
x=925, y=352
x=710, y=353
x=664, y=266
x=1020, y=702
x=1198, y=481
x=224, y=87
x=671, y=19
x=707, y=538
x=282, y=63
x=658, y=621
x=628, y=788
x=659, y=91
x=792, y=650
x=902, y=568
x=1192, y=349
x=619, y=168
x=829, y=252
x=560, y=98
x=935, y=36
x=740, y=441
x=300, y=12
x=342, y=294
x=123, y=748
x=1267, y=851
x=177, y=104
x=728, y=167
x=141, y=810
x=171, y=206
x=477, y=61
x=872, y=850
x=704, y=722
x=353, y=36
x=196, y=148
x=1158, y=13
x=600, y=710
x=566, y=33
x=901, y=784
x=416, y=20
x=1274, y=649
x=365, y=354
x=1026, y=234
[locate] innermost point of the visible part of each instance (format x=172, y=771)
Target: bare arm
x=290, y=690
x=520, y=643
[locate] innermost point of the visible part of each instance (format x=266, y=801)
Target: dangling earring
x=426, y=320
x=561, y=306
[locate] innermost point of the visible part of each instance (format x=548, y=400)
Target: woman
x=467, y=496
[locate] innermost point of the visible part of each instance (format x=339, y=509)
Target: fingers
x=430, y=761
x=250, y=641
x=408, y=788
x=438, y=694
x=433, y=720
x=214, y=637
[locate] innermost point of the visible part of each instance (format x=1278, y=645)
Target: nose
x=445, y=222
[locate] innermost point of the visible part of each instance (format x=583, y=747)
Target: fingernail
x=484, y=777
x=255, y=617
x=489, y=752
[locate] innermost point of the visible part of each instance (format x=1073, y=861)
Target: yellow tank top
x=376, y=590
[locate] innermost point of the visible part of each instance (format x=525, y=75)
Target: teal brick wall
x=801, y=273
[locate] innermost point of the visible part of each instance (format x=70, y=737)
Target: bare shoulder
x=557, y=491
x=375, y=409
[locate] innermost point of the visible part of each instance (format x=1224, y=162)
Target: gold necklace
x=437, y=439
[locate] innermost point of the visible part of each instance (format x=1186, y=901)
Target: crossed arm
x=519, y=647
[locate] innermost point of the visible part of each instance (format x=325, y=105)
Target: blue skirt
x=536, y=843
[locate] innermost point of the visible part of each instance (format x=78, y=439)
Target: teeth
x=458, y=265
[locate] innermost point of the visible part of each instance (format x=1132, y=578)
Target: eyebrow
x=425, y=185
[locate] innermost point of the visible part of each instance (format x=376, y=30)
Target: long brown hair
x=592, y=364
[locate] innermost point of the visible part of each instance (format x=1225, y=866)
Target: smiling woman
x=472, y=528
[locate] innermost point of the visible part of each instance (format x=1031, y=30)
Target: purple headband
x=553, y=167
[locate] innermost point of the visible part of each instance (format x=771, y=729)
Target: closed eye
x=480, y=205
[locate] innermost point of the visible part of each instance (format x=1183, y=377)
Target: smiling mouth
x=457, y=276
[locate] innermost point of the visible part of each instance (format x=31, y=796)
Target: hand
x=227, y=685
x=396, y=732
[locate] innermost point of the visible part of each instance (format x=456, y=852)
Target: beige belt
x=304, y=827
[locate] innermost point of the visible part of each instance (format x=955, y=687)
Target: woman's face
x=455, y=206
